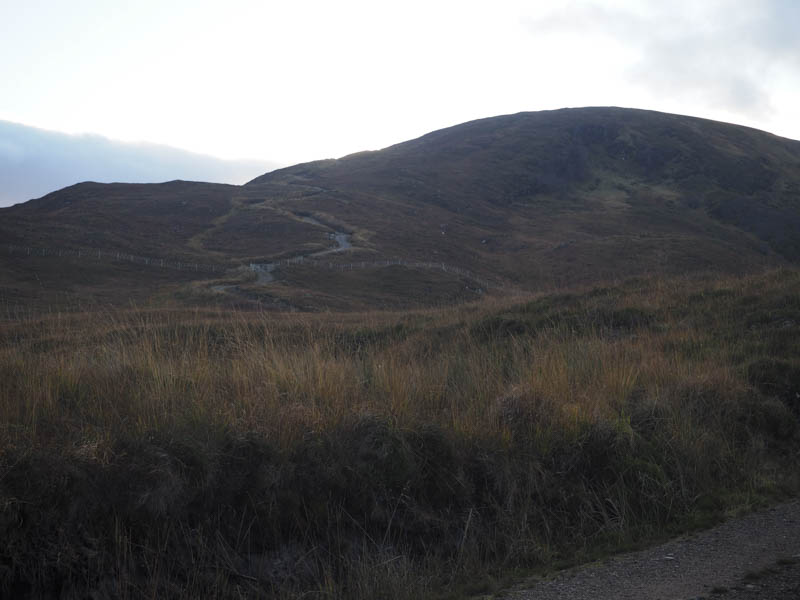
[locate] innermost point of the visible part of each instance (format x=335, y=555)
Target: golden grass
x=648, y=377
x=283, y=373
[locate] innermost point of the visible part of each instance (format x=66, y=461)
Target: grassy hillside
x=541, y=337
x=570, y=195
x=533, y=200
x=432, y=453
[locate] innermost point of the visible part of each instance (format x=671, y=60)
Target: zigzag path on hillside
x=263, y=270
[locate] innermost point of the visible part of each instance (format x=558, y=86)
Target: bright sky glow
x=298, y=80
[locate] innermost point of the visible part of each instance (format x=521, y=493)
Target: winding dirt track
x=703, y=565
x=264, y=272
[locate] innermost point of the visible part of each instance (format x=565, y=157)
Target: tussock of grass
x=171, y=454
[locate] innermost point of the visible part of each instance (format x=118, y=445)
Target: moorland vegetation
x=614, y=357
x=166, y=452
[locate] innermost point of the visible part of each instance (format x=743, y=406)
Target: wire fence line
x=97, y=254
x=162, y=263
x=337, y=266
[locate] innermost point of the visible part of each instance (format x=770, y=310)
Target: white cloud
x=711, y=57
x=311, y=79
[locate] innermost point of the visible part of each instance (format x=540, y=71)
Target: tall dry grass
x=457, y=440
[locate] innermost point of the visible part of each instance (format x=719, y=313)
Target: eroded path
x=264, y=271
x=341, y=240
x=709, y=564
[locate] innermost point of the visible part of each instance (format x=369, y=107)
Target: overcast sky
x=300, y=80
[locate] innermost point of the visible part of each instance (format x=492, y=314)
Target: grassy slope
x=569, y=195
x=539, y=200
x=192, y=221
x=170, y=453
x=177, y=221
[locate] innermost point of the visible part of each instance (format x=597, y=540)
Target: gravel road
x=754, y=557
x=779, y=582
